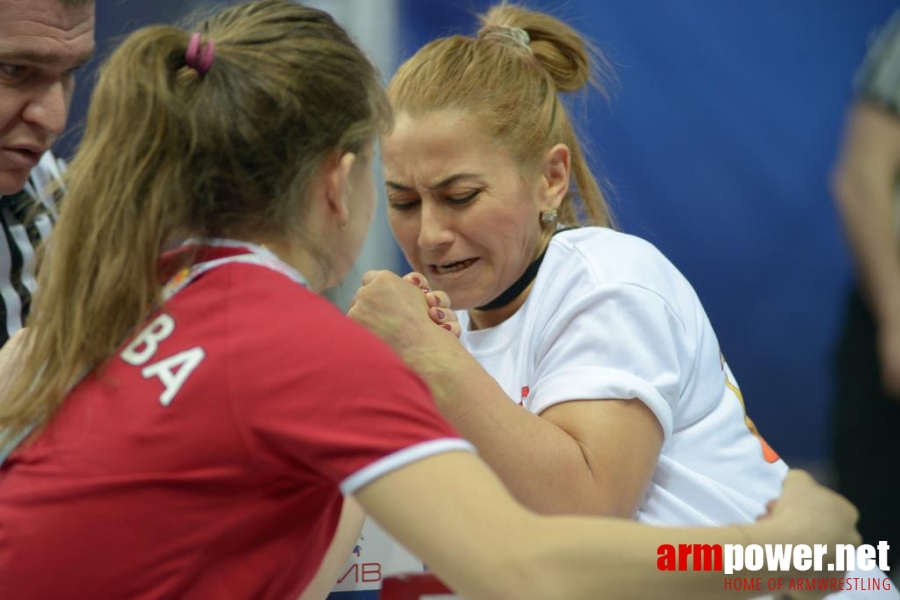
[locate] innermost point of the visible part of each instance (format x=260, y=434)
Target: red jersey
x=207, y=458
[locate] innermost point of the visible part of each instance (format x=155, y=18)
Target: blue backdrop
x=718, y=145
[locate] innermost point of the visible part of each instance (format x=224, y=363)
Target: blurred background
x=717, y=142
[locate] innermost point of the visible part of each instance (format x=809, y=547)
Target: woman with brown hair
x=188, y=412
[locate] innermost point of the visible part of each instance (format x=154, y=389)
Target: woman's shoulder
x=275, y=323
x=266, y=308
x=608, y=256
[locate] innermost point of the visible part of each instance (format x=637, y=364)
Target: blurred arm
x=865, y=184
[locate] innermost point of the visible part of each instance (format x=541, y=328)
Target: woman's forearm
x=540, y=464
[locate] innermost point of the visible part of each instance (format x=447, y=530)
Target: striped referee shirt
x=26, y=219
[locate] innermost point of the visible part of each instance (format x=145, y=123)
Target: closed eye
x=402, y=205
x=463, y=199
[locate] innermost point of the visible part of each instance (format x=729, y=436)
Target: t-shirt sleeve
x=618, y=341
x=878, y=77
x=336, y=403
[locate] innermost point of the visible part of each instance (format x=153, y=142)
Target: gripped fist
x=438, y=304
x=401, y=315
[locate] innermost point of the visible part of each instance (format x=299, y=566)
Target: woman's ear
x=337, y=184
x=555, y=171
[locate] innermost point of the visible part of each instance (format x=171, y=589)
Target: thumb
x=369, y=276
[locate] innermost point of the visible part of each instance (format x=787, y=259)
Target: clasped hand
x=404, y=312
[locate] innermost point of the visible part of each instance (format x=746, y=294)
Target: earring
x=549, y=216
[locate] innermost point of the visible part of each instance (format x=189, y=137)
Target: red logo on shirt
x=525, y=391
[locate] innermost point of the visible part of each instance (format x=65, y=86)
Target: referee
x=42, y=43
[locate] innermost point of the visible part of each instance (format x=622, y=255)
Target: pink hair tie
x=200, y=58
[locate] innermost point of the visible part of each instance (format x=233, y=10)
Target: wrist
x=432, y=355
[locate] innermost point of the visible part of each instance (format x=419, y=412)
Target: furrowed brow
x=42, y=58
x=440, y=184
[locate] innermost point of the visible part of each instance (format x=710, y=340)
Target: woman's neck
x=491, y=315
x=310, y=266
x=485, y=319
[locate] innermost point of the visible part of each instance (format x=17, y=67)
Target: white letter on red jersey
x=144, y=345
x=174, y=371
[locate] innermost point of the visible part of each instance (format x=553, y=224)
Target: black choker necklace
x=513, y=291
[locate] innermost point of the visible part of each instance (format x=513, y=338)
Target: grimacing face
x=459, y=207
x=42, y=43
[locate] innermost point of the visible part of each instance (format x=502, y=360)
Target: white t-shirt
x=609, y=317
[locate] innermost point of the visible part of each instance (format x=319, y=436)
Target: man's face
x=42, y=43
